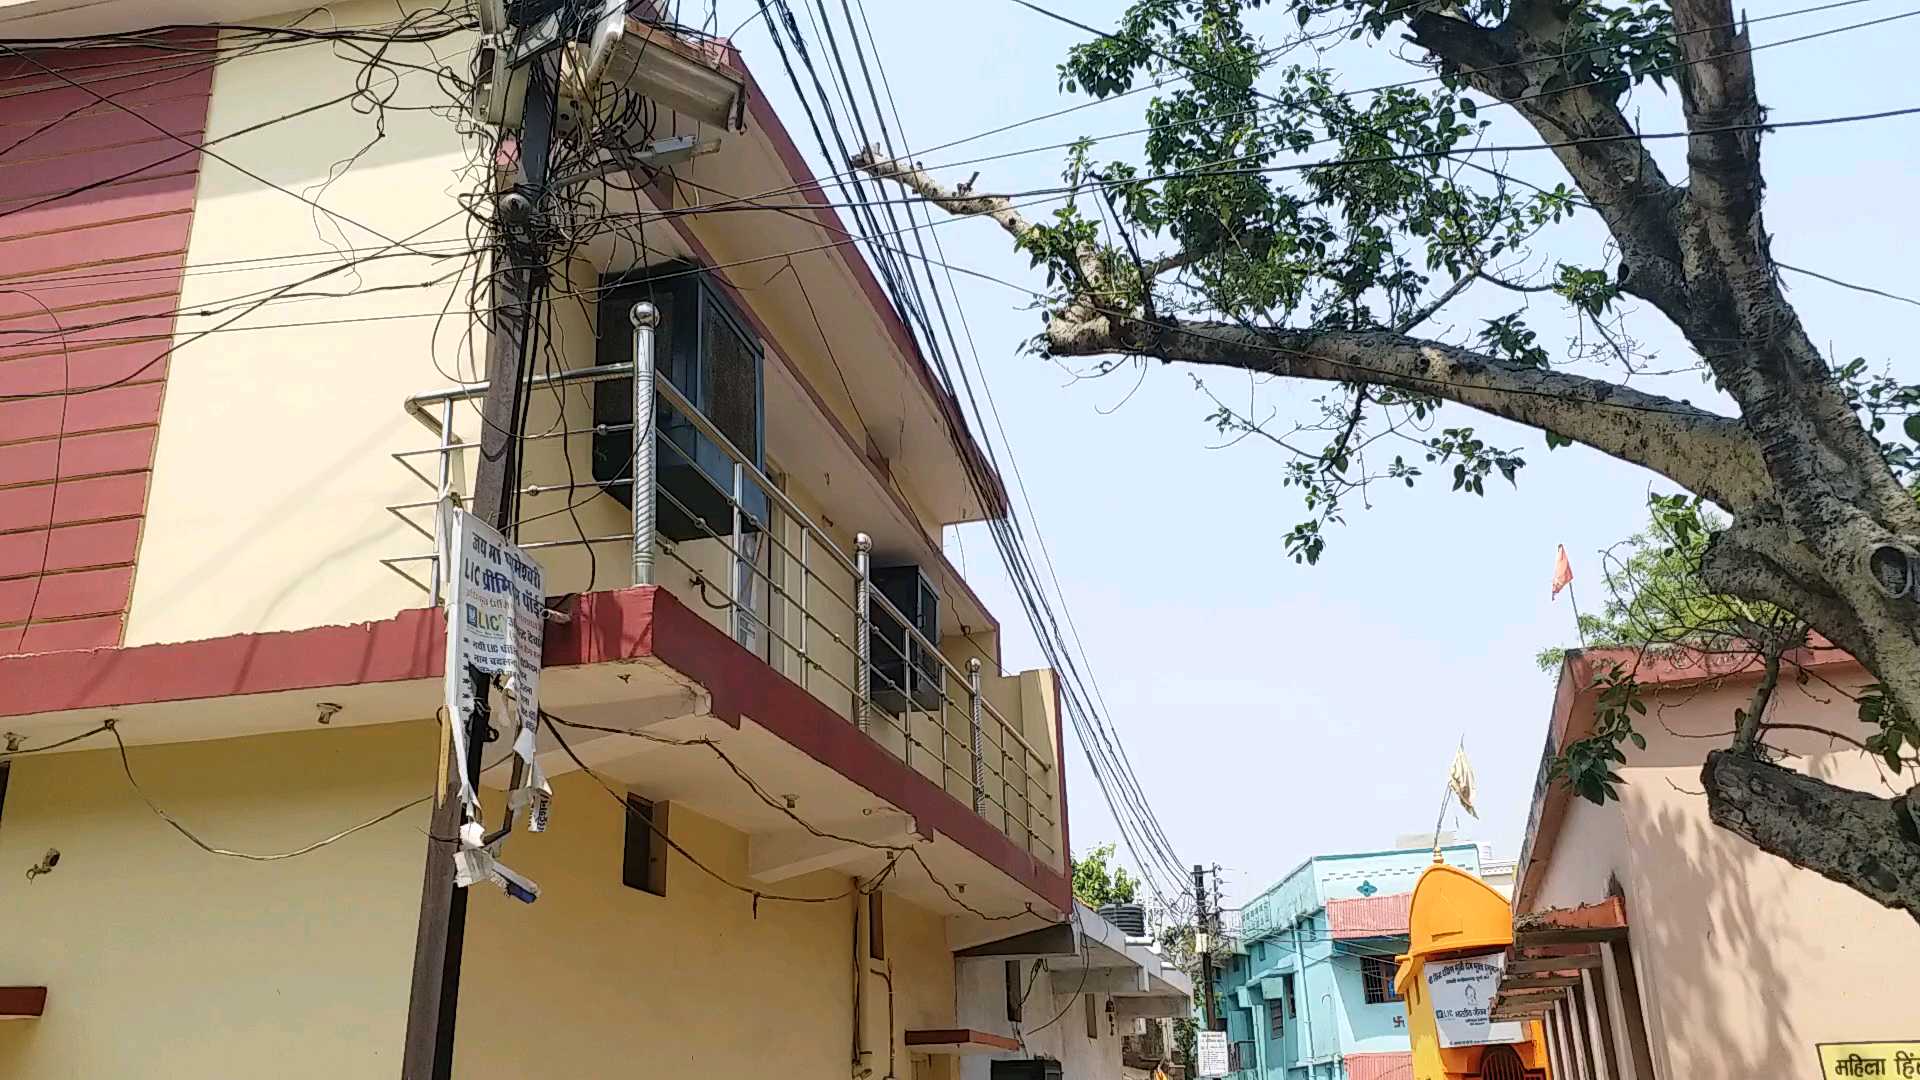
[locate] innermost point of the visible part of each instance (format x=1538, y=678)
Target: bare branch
x=1433, y=306
x=1179, y=260
x=915, y=179
x=1748, y=732
x=1704, y=452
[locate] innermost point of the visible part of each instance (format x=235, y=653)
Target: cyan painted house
x=1308, y=994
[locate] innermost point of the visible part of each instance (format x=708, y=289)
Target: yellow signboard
x=1896, y=1059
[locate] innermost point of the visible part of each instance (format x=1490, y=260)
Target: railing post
x=645, y=318
x=806, y=658
x=862, y=643
x=973, y=736
x=440, y=561
x=737, y=584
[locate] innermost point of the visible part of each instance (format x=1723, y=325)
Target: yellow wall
x=597, y=979
x=163, y=961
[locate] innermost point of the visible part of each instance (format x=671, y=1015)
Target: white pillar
x=1617, y=1012
x=1556, y=1054
x=1597, y=1033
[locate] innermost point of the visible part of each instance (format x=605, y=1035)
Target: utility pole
x=1204, y=931
x=434, y=1001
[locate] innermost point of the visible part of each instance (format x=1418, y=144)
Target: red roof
x=1379, y=1066
x=1372, y=916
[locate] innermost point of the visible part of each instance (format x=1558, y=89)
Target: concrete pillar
x=1599, y=1031
x=1569, y=1019
x=1618, y=1021
x=1629, y=1017
x=1555, y=1057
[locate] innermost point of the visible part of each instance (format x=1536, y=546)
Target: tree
x=1279, y=227
x=1095, y=884
x=1657, y=600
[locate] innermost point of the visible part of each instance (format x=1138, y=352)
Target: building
x=1460, y=929
x=1309, y=991
x=1086, y=994
x=797, y=784
x=1688, y=951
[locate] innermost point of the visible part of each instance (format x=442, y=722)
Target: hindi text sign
x=1462, y=993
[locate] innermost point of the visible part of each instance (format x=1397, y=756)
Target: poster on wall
x=1462, y=993
x=1895, y=1059
x=1211, y=1049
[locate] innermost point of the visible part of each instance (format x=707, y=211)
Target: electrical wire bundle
x=1145, y=838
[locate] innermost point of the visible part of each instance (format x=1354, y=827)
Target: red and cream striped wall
x=96, y=204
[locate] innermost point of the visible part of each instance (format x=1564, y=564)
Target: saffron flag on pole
x=1460, y=780
x=1562, y=572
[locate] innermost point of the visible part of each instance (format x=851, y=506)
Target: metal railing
x=793, y=594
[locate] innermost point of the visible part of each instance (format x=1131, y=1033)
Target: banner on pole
x=1211, y=1049
x=496, y=623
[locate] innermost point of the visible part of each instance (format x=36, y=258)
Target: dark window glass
x=1376, y=975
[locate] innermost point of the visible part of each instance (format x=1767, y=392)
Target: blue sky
x=1274, y=710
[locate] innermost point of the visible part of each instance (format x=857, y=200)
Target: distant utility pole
x=434, y=1001
x=1204, y=931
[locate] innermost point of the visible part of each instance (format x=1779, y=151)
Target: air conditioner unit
x=906, y=674
x=1024, y=1069
x=706, y=352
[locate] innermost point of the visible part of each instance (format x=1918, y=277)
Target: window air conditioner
x=906, y=674
x=704, y=349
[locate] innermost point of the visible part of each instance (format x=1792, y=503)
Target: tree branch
x=1701, y=451
x=1748, y=732
x=1867, y=843
x=1618, y=176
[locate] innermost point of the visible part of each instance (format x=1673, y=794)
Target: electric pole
x=518, y=257
x=1203, y=939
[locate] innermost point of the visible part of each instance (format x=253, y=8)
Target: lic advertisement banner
x=496, y=618
x=1462, y=994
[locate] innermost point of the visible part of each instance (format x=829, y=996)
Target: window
x=1276, y=1019
x=876, y=926
x=1376, y=975
x=1259, y=952
x=1287, y=992
x=1016, y=997
x=643, y=864
x=704, y=349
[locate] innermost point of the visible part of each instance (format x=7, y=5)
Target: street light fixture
x=655, y=63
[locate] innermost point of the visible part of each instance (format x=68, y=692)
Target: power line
x=1848, y=284
x=1062, y=191
x=202, y=147
x=1255, y=110
x=1093, y=736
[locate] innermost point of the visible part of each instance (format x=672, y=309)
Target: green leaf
x=1912, y=425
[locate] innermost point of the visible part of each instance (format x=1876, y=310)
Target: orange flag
x=1562, y=572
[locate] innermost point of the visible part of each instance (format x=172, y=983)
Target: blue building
x=1308, y=991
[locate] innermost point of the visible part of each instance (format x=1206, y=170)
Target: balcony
x=754, y=557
